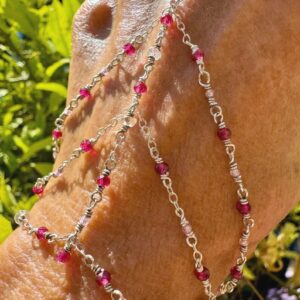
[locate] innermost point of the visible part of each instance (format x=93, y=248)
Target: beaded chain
x=70, y=243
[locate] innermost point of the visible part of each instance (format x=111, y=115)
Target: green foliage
x=35, y=47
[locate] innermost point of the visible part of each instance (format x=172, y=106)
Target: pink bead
x=86, y=146
x=236, y=273
x=209, y=93
x=103, y=181
x=56, y=134
x=129, y=49
x=140, y=87
x=235, y=172
x=38, y=190
x=162, y=168
x=198, y=55
x=203, y=275
x=62, y=255
x=40, y=234
x=224, y=134
x=187, y=229
x=243, y=208
x=85, y=93
x=84, y=220
x=103, y=279
x=166, y=20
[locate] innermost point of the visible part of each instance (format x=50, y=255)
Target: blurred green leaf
x=5, y=228
x=59, y=29
x=6, y=196
x=26, y=18
x=54, y=67
x=21, y=144
x=43, y=168
x=36, y=147
x=52, y=87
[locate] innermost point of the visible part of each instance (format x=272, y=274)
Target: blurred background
x=35, y=48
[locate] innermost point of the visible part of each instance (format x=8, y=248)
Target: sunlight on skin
x=252, y=52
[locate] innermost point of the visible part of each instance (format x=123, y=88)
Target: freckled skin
x=252, y=51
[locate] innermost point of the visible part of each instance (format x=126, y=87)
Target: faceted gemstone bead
x=129, y=49
x=209, y=93
x=224, y=134
x=57, y=173
x=85, y=93
x=140, y=87
x=235, y=172
x=203, y=275
x=104, y=278
x=62, y=255
x=86, y=146
x=38, y=190
x=187, y=229
x=198, y=55
x=67, y=111
x=56, y=134
x=166, y=20
x=236, y=273
x=103, y=181
x=243, y=208
x=40, y=234
x=84, y=220
x=162, y=168
x=154, y=52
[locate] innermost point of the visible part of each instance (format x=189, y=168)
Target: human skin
x=252, y=52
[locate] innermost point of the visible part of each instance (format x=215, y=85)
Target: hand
x=252, y=51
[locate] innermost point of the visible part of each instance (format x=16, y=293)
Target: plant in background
x=35, y=47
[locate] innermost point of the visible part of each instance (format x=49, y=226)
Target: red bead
x=103, y=181
x=103, y=279
x=224, y=134
x=38, y=190
x=40, y=234
x=203, y=275
x=62, y=255
x=85, y=93
x=166, y=20
x=243, y=208
x=140, y=87
x=236, y=273
x=56, y=134
x=129, y=49
x=86, y=146
x=198, y=55
x=162, y=168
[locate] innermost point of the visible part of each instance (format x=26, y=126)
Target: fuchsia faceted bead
x=224, y=134
x=166, y=20
x=198, y=55
x=243, y=208
x=203, y=275
x=62, y=255
x=103, y=181
x=140, y=87
x=86, y=146
x=38, y=190
x=129, y=49
x=56, y=134
x=162, y=168
x=103, y=279
x=40, y=234
x=236, y=273
x=85, y=93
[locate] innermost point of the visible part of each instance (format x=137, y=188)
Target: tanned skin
x=252, y=51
